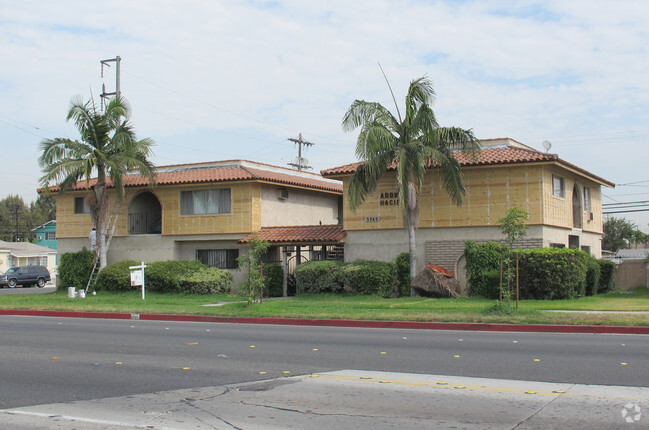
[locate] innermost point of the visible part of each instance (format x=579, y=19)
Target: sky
x=217, y=80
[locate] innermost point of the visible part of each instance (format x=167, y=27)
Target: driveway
x=49, y=288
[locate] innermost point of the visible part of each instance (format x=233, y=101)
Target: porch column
x=285, y=269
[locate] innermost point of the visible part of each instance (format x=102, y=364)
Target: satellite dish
x=547, y=145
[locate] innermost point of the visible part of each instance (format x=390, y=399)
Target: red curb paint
x=529, y=328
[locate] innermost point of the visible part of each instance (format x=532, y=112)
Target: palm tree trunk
x=412, y=247
x=100, y=211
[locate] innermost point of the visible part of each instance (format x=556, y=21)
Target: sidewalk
x=530, y=328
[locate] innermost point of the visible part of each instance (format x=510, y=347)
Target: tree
x=108, y=149
x=14, y=219
x=620, y=234
x=252, y=286
x=513, y=226
x=410, y=145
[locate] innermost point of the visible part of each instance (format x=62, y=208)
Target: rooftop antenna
x=300, y=163
x=104, y=95
x=547, y=145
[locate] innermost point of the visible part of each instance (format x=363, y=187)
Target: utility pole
x=104, y=95
x=300, y=163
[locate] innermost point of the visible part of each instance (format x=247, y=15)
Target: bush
x=75, y=268
x=482, y=259
x=607, y=276
x=165, y=276
x=369, y=277
x=403, y=273
x=116, y=277
x=593, y=271
x=274, y=280
x=552, y=273
x=207, y=280
x=318, y=277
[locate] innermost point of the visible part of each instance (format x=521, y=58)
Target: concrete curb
x=531, y=328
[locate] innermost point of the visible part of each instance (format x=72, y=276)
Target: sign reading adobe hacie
x=385, y=199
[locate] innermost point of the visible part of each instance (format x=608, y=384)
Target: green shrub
x=75, y=268
x=482, y=259
x=206, y=280
x=369, y=277
x=403, y=273
x=165, y=276
x=116, y=277
x=593, y=271
x=274, y=280
x=318, y=277
x=552, y=273
x=607, y=276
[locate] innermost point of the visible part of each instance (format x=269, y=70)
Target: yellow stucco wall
x=244, y=217
x=491, y=190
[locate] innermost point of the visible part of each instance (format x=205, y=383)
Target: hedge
x=483, y=268
x=403, y=273
x=369, y=277
x=607, y=276
x=75, y=268
x=167, y=277
x=552, y=273
x=274, y=280
x=116, y=277
x=593, y=273
x=361, y=277
x=318, y=277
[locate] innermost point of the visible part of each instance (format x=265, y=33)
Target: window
x=585, y=249
x=587, y=205
x=50, y=235
x=201, y=202
x=557, y=245
x=221, y=258
x=558, y=187
x=81, y=206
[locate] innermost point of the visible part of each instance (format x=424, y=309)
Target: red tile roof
x=306, y=234
x=224, y=171
x=486, y=157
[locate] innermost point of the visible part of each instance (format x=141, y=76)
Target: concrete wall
x=630, y=273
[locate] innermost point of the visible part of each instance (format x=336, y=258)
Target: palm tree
x=409, y=145
x=108, y=149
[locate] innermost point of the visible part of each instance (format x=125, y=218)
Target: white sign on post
x=137, y=276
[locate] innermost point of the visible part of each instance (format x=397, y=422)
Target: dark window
x=557, y=245
x=201, y=202
x=573, y=242
x=585, y=248
x=81, y=206
x=221, y=258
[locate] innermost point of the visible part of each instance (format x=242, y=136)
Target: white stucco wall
x=302, y=207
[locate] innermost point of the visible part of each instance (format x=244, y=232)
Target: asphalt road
x=28, y=290
x=48, y=360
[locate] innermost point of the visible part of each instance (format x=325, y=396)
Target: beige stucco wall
x=302, y=207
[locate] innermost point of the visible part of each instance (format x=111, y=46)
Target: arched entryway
x=577, y=211
x=145, y=214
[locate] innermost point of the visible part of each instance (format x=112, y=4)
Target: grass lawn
x=468, y=309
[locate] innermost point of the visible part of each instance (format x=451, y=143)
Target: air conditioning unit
x=282, y=193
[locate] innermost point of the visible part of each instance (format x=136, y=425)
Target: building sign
x=389, y=199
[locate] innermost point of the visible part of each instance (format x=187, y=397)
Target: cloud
x=217, y=79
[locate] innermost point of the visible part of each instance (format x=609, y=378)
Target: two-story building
x=202, y=211
x=563, y=202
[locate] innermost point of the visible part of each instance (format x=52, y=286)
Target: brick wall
x=446, y=253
